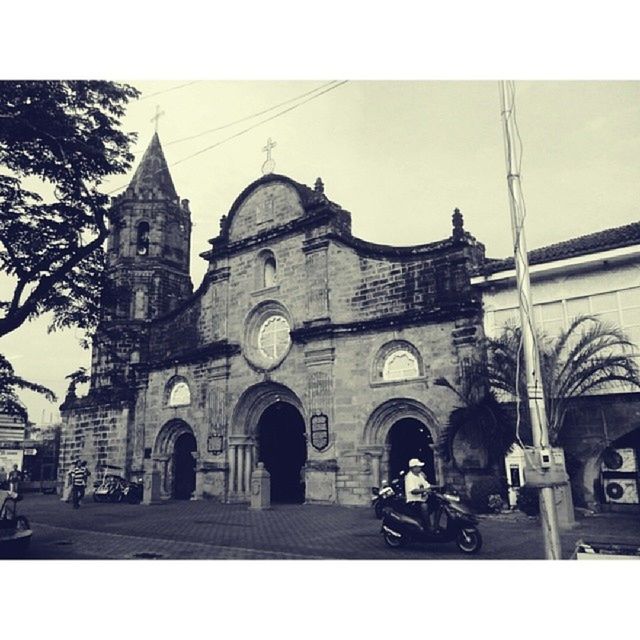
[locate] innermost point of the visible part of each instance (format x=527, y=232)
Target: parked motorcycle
x=455, y=523
x=132, y=492
x=115, y=488
x=387, y=495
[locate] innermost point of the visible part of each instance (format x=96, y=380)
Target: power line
x=257, y=124
x=250, y=117
x=179, y=86
x=253, y=126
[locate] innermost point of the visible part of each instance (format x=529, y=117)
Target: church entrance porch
x=409, y=438
x=283, y=449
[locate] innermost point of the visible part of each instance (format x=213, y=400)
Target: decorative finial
x=319, y=186
x=269, y=164
x=458, y=225
x=157, y=117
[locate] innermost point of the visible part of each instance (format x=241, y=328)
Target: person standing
x=3, y=477
x=79, y=475
x=14, y=479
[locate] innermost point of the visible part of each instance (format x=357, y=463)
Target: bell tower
x=147, y=265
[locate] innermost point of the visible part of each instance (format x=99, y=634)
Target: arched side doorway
x=396, y=431
x=184, y=467
x=282, y=447
x=410, y=438
x=175, y=450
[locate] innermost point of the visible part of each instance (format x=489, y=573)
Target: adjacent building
x=598, y=275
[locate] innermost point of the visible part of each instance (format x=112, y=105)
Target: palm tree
x=479, y=410
x=10, y=384
x=590, y=355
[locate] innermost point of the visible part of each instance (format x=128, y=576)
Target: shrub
x=528, y=501
x=485, y=487
x=496, y=503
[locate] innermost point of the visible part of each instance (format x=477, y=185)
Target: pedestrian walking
x=14, y=479
x=79, y=476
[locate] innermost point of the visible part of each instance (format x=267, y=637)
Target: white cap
x=414, y=462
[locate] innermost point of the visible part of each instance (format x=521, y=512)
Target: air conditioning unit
x=621, y=490
x=620, y=460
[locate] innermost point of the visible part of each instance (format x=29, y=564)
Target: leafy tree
x=79, y=376
x=10, y=384
x=588, y=356
x=59, y=140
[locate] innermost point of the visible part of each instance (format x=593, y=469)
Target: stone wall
x=98, y=432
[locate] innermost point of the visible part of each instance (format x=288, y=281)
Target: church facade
x=304, y=347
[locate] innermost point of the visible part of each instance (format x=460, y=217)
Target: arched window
x=180, y=394
x=269, y=272
x=140, y=304
x=400, y=365
x=266, y=270
x=115, y=237
x=142, y=242
x=397, y=361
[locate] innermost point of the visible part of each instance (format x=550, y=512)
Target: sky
x=399, y=155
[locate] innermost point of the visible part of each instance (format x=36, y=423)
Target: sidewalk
x=205, y=529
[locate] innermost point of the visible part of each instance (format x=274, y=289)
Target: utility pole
x=535, y=391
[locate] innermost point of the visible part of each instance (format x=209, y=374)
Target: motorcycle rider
x=416, y=490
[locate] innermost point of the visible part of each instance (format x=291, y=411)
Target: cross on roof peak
x=269, y=164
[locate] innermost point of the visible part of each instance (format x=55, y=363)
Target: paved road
x=208, y=530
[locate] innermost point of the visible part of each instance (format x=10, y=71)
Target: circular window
x=274, y=338
x=267, y=335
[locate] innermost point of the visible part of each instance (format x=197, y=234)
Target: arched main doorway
x=184, y=467
x=409, y=438
x=282, y=447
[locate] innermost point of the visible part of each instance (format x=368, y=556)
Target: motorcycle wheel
x=469, y=540
x=379, y=509
x=22, y=524
x=393, y=541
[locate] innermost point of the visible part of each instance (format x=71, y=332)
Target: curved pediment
x=264, y=205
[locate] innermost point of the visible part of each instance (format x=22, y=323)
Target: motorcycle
x=388, y=494
x=115, y=488
x=454, y=523
x=132, y=492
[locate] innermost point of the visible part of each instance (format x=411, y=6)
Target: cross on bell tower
x=157, y=117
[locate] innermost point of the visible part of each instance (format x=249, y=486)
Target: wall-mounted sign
x=215, y=443
x=320, y=432
x=30, y=452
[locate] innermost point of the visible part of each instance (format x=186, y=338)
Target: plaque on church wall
x=320, y=432
x=215, y=444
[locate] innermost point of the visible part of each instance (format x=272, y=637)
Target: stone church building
x=304, y=347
